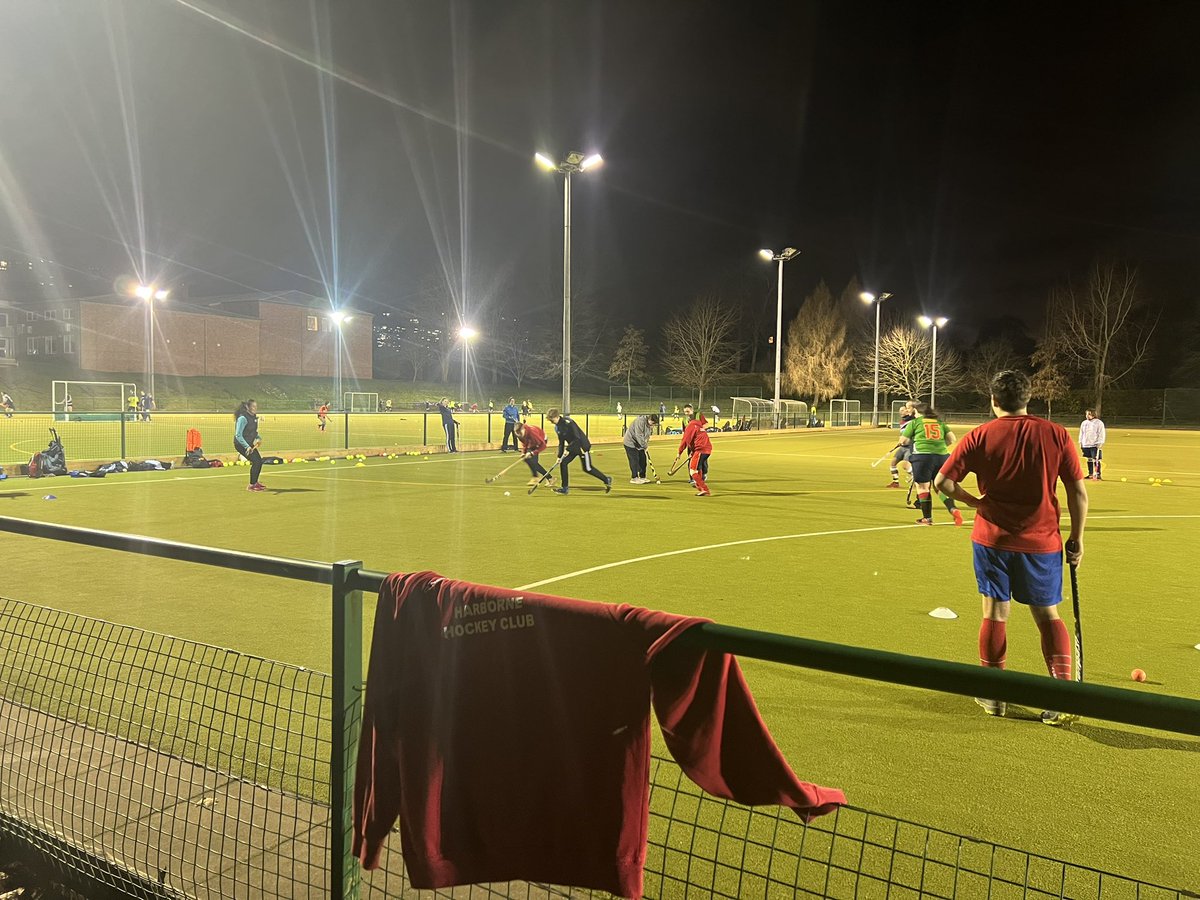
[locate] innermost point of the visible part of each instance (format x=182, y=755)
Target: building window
x=311, y=322
x=68, y=313
x=5, y=348
x=68, y=344
x=30, y=317
x=31, y=346
x=50, y=344
x=52, y=314
x=3, y=320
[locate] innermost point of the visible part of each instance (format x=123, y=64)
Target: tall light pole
x=575, y=162
x=150, y=293
x=868, y=297
x=783, y=256
x=935, y=324
x=338, y=318
x=466, y=334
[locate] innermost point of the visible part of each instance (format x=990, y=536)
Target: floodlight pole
x=933, y=371
x=786, y=255
x=867, y=297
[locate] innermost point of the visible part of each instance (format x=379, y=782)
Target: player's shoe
x=255, y=487
x=993, y=707
x=958, y=520
x=532, y=481
x=1057, y=719
x=703, y=493
x=895, y=484
x=924, y=521
x=607, y=484
x=560, y=490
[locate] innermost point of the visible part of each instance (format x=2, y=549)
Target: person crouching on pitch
x=636, y=442
x=699, y=448
x=573, y=444
x=533, y=442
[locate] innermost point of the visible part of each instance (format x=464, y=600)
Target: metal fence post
x=346, y=441
x=122, y=435
x=344, y=877
x=489, y=440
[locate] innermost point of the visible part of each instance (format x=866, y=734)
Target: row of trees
x=1096, y=333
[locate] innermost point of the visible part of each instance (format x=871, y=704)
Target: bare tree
x=906, y=364
x=1102, y=327
x=699, y=344
x=589, y=345
x=512, y=351
x=987, y=359
x=629, y=359
x=817, y=357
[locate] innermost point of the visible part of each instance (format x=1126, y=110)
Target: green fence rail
x=151, y=766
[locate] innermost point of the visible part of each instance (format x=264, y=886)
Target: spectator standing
x=7, y=402
x=636, y=441
x=620, y=410
x=1018, y=459
x=449, y=423
x=1091, y=442
x=246, y=440
x=512, y=418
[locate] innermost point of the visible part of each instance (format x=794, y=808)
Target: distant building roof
x=288, y=298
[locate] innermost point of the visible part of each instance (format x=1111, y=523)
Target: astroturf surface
x=814, y=546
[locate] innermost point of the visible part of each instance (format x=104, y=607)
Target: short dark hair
x=652, y=418
x=1011, y=390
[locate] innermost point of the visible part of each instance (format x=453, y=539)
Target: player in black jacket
x=572, y=444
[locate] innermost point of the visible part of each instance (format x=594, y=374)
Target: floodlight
x=925, y=321
x=144, y=291
x=161, y=295
x=940, y=321
x=789, y=253
x=574, y=158
x=545, y=162
x=337, y=317
x=594, y=160
x=866, y=297
x=768, y=255
x=467, y=333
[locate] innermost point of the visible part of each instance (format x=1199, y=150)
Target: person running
x=322, y=416
x=533, y=442
x=449, y=423
x=698, y=446
x=512, y=418
x=902, y=458
x=1018, y=459
x=930, y=439
x=573, y=444
x=246, y=440
x=1091, y=442
x=636, y=442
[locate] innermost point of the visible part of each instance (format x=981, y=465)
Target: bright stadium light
x=785, y=255
x=150, y=293
x=338, y=317
x=467, y=334
x=574, y=163
x=868, y=297
x=935, y=324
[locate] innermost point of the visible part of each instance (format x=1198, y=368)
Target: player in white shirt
x=1091, y=442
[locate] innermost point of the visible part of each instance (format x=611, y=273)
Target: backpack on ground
x=193, y=440
x=51, y=461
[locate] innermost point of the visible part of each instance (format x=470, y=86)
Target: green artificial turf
x=824, y=552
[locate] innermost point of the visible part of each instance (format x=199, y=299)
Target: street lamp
x=935, y=324
x=868, y=297
x=466, y=334
x=150, y=293
x=575, y=162
x=339, y=318
x=786, y=255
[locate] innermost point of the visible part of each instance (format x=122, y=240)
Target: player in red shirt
x=322, y=416
x=699, y=448
x=1018, y=460
x=533, y=442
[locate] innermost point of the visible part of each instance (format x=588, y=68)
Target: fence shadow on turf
x=1128, y=740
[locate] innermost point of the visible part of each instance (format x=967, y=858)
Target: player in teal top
x=930, y=437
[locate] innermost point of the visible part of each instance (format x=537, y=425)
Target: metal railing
x=31, y=692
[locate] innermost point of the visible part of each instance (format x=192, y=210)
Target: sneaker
x=559, y=490
x=993, y=707
x=255, y=487
x=703, y=493
x=957, y=516
x=895, y=484
x=1057, y=719
x=607, y=484
x=923, y=521
x=634, y=481
x=532, y=481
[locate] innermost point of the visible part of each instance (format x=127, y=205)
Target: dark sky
x=965, y=156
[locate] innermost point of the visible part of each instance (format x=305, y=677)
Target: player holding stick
x=902, y=458
x=636, y=442
x=246, y=440
x=573, y=444
x=1091, y=442
x=930, y=438
x=533, y=442
x=698, y=446
x=1018, y=460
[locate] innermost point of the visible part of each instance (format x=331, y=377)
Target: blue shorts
x=1034, y=579
x=926, y=465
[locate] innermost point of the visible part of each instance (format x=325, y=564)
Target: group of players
x=573, y=444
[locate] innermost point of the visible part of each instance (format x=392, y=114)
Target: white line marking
x=778, y=537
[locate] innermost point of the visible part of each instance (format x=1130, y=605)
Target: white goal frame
x=60, y=391
x=845, y=413
x=360, y=401
x=894, y=418
x=793, y=414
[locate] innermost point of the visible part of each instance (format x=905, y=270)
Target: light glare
x=467, y=333
x=866, y=297
x=940, y=321
x=768, y=255
x=144, y=291
x=545, y=162
x=925, y=321
x=594, y=160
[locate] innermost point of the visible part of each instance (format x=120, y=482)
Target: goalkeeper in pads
x=573, y=444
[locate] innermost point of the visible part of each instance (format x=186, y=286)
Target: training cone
x=49, y=497
x=359, y=465
x=943, y=612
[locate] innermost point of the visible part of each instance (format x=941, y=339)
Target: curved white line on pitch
x=777, y=537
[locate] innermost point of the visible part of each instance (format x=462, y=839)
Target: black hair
x=1011, y=390
x=925, y=411
x=244, y=409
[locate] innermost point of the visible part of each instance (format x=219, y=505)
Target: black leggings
x=534, y=466
x=637, y=462
x=255, y=459
x=585, y=458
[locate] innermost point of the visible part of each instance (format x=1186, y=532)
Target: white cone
x=943, y=612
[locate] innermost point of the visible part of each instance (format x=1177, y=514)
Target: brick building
x=256, y=334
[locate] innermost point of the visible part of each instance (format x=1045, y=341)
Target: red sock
x=993, y=644
x=1056, y=648
x=698, y=477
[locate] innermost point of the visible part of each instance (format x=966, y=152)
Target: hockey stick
x=1071, y=546
x=497, y=476
x=549, y=472
x=885, y=456
x=675, y=465
x=653, y=470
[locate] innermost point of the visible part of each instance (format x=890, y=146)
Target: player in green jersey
x=930, y=438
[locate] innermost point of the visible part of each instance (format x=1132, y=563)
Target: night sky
x=965, y=156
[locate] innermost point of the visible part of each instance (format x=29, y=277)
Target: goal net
x=752, y=414
x=894, y=421
x=76, y=397
x=793, y=414
x=844, y=412
x=360, y=401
